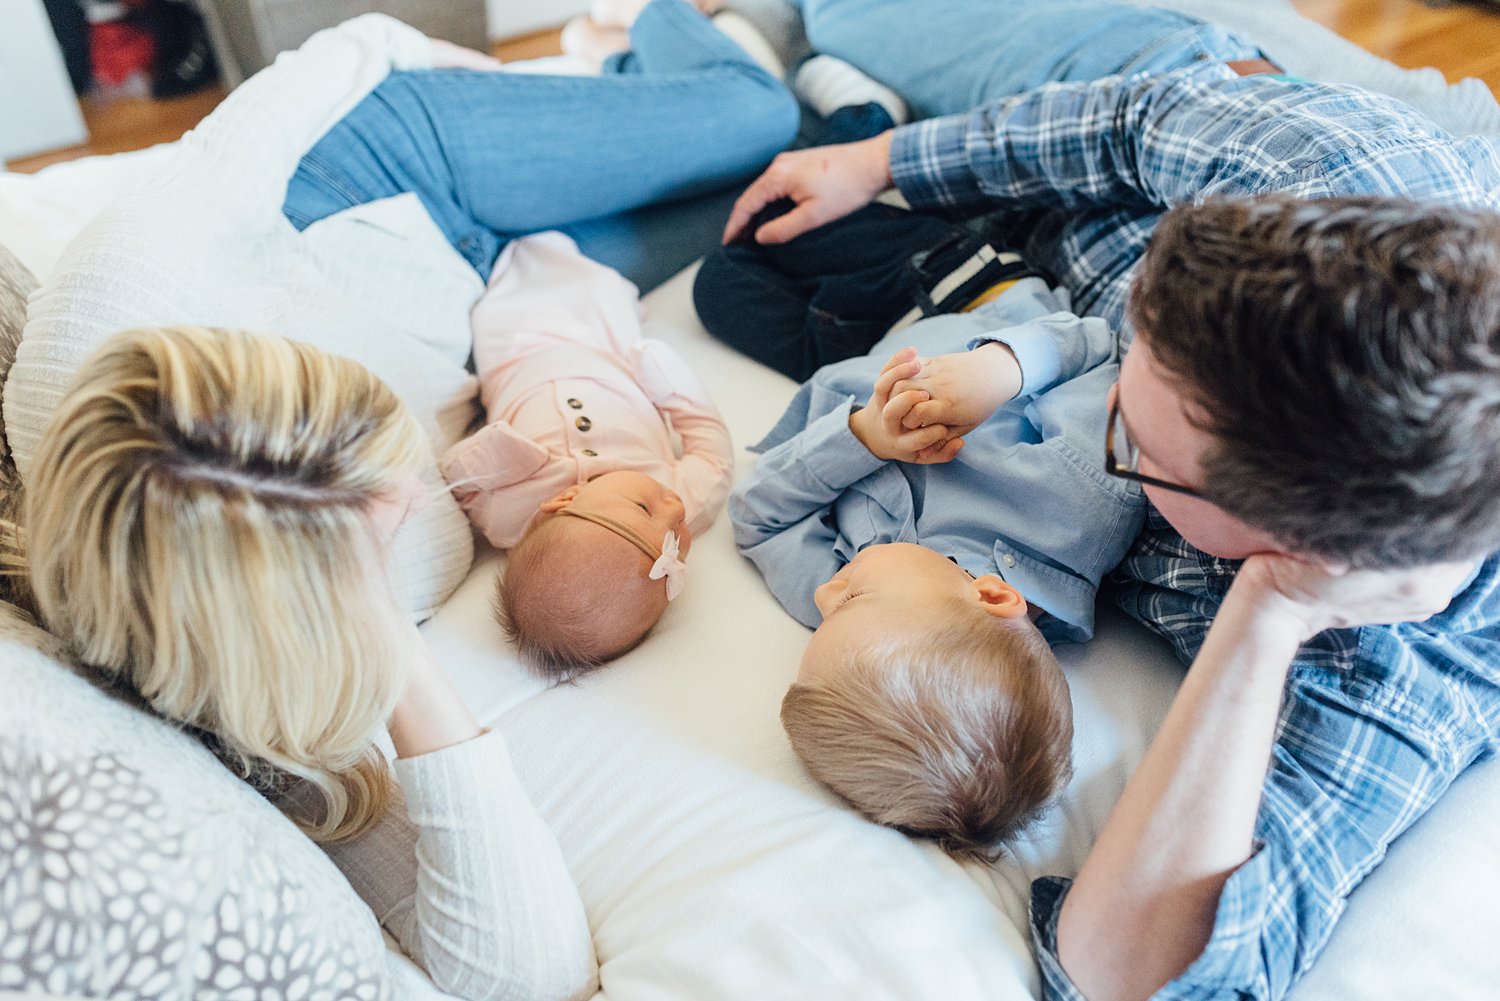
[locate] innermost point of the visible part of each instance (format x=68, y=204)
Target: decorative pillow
x=133, y=865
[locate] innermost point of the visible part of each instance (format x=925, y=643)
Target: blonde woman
x=209, y=519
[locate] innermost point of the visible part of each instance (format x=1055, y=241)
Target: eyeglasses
x=1122, y=457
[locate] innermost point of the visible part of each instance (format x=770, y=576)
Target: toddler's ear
x=554, y=504
x=999, y=598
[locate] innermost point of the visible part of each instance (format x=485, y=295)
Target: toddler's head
x=578, y=589
x=929, y=700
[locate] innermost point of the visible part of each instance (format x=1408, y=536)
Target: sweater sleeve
x=471, y=882
x=1155, y=141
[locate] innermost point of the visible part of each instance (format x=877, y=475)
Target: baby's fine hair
x=961, y=734
x=574, y=596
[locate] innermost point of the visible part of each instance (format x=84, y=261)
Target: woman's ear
x=999, y=598
x=552, y=505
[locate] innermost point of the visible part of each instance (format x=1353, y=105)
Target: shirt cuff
x=440, y=786
x=831, y=454
x=930, y=163
x=1036, y=352
x=1229, y=967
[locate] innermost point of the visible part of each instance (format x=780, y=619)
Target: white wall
x=39, y=112
x=520, y=17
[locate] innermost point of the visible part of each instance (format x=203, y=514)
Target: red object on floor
x=120, y=51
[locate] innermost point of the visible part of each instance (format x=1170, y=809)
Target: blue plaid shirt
x=1377, y=722
x=1090, y=168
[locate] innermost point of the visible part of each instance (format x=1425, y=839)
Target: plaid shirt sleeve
x=1376, y=723
x=1157, y=141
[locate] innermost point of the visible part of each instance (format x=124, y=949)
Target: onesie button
x=1008, y=560
x=590, y=453
x=575, y=403
x=583, y=424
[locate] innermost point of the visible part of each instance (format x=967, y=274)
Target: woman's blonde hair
x=198, y=524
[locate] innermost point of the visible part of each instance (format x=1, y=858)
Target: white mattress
x=712, y=867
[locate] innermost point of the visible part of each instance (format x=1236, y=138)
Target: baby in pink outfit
x=576, y=471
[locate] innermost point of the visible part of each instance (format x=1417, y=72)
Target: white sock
x=828, y=84
x=748, y=37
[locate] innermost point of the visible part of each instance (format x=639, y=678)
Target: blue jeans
x=496, y=155
x=955, y=55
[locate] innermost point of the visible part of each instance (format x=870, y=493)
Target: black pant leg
x=827, y=295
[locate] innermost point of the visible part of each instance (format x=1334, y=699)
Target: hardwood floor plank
x=1461, y=39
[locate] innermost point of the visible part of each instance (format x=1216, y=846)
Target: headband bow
x=667, y=562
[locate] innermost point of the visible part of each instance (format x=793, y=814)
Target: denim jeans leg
x=493, y=155
x=958, y=54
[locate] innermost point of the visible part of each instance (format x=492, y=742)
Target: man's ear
x=552, y=505
x=999, y=598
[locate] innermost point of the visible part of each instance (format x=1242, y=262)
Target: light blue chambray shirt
x=1027, y=499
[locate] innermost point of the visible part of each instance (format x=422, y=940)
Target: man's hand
x=826, y=182
x=1312, y=597
x=878, y=424
x=963, y=389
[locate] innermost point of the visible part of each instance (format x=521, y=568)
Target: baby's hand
x=962, y=389
x=878, y=425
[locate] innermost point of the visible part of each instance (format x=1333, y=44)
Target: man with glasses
x=1310, y=397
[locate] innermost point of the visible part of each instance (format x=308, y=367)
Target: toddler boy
x=937, y=563
x=577, y=472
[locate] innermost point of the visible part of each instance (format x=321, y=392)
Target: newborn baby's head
x=578, y=589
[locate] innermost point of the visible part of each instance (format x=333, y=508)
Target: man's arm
x=1152, y=895
x=1156, y=141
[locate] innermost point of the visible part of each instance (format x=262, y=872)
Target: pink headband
x=667, y=563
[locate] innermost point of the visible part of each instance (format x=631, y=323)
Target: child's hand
x=962, y=389
x=878, y=425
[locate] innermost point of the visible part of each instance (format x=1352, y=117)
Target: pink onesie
x=572, y=390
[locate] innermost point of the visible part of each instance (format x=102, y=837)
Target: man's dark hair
x=1345, y=355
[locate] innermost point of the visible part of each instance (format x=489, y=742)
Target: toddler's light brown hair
x=961, y=734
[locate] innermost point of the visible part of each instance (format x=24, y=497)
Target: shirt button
x=583, y=423
x=575, y=403
x=1008, y=560
x=590, y=453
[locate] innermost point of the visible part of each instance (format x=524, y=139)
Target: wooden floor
x=1461, y=38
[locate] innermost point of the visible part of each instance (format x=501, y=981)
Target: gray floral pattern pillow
x=133, y=865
